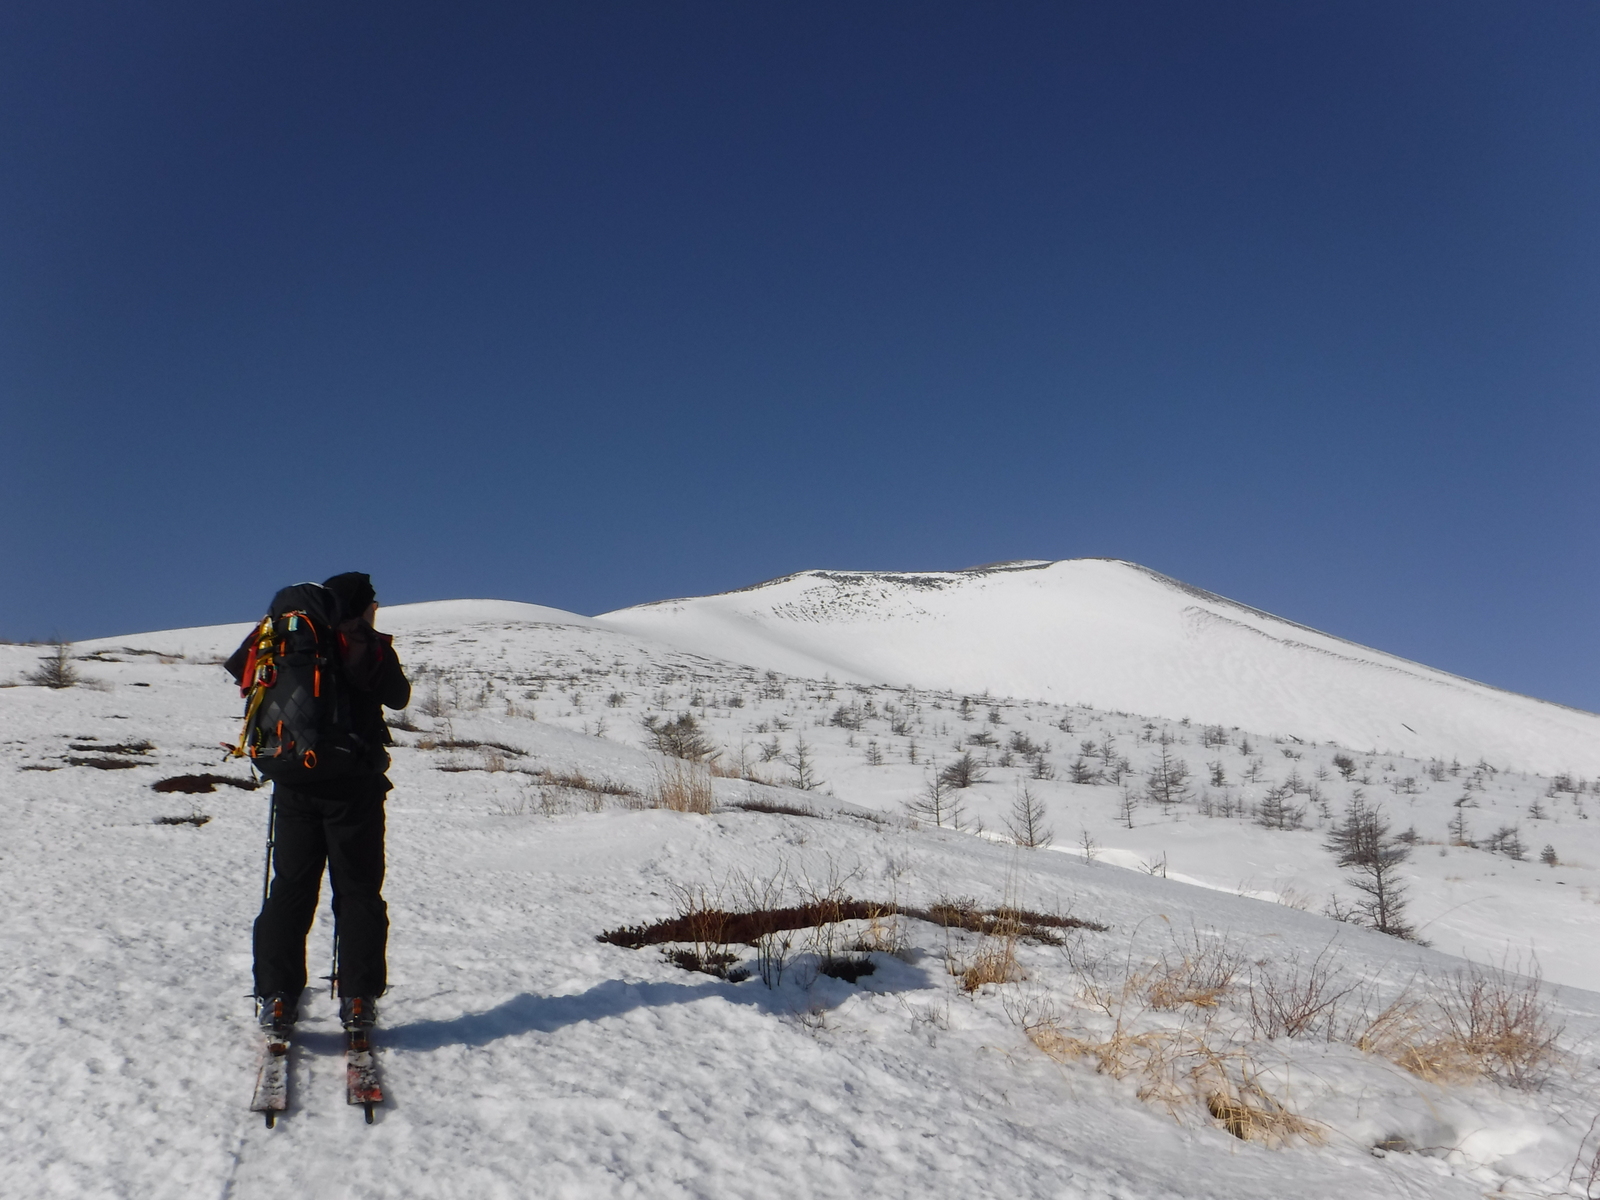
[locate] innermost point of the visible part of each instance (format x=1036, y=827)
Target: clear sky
x=591, y=304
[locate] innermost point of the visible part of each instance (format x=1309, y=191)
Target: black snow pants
x=340, y=827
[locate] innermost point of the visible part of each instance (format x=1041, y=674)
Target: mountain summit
x=1117, y=636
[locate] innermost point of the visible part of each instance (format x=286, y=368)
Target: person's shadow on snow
x=528, y=1013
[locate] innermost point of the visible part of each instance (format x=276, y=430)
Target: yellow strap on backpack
x=261, y=668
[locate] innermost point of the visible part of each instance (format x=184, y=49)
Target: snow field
x=524, y=1057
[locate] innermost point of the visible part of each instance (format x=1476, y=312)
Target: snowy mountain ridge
x=1117, y=636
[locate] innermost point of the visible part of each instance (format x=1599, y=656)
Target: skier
x=337, y=823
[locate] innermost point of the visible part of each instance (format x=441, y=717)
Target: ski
x=272, y=1082
x=361, y=1071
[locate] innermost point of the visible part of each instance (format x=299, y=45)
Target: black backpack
x=297, y=726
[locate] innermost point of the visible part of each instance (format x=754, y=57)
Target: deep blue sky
x=591, y=304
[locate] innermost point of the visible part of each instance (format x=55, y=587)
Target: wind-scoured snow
x=1122, y=637
x=522, y=1057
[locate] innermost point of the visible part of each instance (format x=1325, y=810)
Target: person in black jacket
x=337, y=824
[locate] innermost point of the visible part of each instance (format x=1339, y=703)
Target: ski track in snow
x=522, y=1057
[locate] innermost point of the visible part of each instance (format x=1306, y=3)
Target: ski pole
x=272, y=835
x=266, y=870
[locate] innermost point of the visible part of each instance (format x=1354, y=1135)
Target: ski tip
x=272, y=1118
x=369, y=1114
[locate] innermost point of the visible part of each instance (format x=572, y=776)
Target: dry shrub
x=514, y=806
x=704, y=922
x=560, y=801
x=767, y=923
x=776, y=809
x=591, y=795
x=963, y=913
x=747, y=928
x=1585, y=1171
x=1502, y=1019
x=1305, y=1002
x=681, y=787
x=455, y=743
x=142, y=746
x=1482, y=1022
x=1199, y=973
x=766, y=894
x=1487, y=1021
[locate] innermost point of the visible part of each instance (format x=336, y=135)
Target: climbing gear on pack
x=297, y=722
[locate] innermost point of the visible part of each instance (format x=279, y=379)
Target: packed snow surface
x=1118, y=636
x=522, y=1057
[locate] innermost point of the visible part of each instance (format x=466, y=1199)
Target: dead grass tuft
x=995, y=958
x=1252, y=1114
x=680, y=786
x=884, y=934
x=1488, y=1022
x=1482, y=1022
x=995, y=963
x=1200, y=974
x=1191, y=1027
x=1185, y=1068
x=579, y=782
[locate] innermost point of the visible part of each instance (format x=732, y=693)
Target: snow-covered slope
x=1117, y=636
x=523, y=1057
